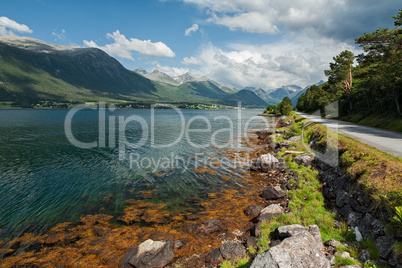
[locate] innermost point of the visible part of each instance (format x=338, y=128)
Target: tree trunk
x=397, y=103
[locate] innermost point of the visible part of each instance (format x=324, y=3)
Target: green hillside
x=32, y=71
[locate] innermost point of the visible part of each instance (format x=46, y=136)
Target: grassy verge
x=387, y=122
x=375, y=173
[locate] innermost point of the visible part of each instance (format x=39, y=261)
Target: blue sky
x=266, y=43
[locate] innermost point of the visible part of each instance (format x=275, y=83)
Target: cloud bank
x=124, y=48
x=8, y=27
x=302, y=36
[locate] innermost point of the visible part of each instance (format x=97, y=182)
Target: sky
x=259, y=43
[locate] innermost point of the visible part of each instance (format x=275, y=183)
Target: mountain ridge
x=33, y=71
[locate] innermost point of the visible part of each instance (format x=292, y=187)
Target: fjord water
x=46, y=180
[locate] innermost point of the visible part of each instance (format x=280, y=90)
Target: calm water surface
x=45, y=180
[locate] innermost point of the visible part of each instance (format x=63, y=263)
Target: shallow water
x=46, y=180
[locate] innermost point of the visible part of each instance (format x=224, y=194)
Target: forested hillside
x=366, y=85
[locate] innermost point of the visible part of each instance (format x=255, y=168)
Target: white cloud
x=61, y=35
x=191, y=61
x=191, y=30
x=124, y=48
x=330, y=18
x=8, y=27
x=253, y=22
x=296, y=61
x=171, y=71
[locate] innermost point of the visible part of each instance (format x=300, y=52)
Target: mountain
x=32, y=71
x=187, y=77
x=208, y=92
x=303, y=91
x=251, y=97
x=263, y=95
x=285, y=91
x=161, y=77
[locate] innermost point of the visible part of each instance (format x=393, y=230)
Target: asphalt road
x=386, y=141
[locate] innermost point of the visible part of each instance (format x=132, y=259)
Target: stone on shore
x=265, y=162
x=269, y=212
x=299, y=250
x=233, y=251
x=252, y=211
x=304, y=159
x=273, y=193
x=149, y=254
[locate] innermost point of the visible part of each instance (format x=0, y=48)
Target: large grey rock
x=384, y=246
x=304, y=159
x=265, y=162
x=297, y=229
x=269, y=212
x=149, y=254
x=273, y=193
x=297, y=251
x=233, y=251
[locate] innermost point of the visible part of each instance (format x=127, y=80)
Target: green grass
x=339, y=261
x=388, y=122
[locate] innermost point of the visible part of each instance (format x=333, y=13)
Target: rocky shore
x=290, y=245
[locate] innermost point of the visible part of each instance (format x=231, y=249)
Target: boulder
x=384, y=246
x=252, y=211
x=299, y=250
x=292, y=230
x=273, y=193
x=265, y=162
x=233, y=251
x=269, y=212
x=149, y=254
x=304, y=159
